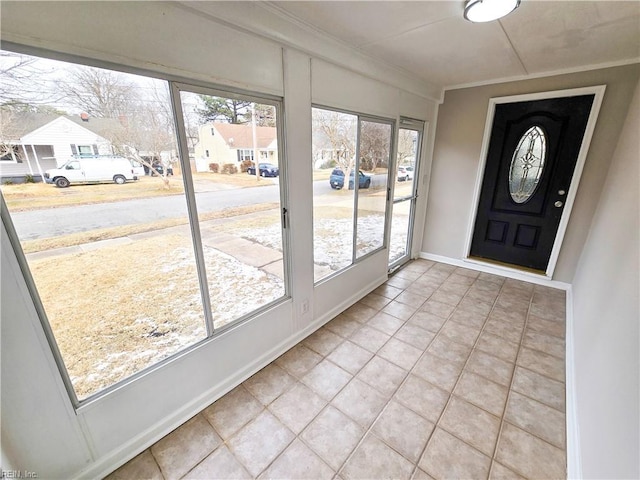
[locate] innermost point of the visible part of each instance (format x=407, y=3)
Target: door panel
x=531, y=158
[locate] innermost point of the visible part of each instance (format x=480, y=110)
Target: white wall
x=606, y=290
x=41, y=431
x=456, y=158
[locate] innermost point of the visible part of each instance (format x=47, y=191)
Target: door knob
x=558, y=204
x=561, y=192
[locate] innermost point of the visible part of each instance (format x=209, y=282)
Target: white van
x=92, y=170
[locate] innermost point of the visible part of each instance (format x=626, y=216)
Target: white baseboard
x=574, y=457
x=497, y=270
x=116, y=458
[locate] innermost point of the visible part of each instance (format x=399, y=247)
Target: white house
x=37, y=142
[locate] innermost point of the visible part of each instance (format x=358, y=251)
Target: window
x=122, y=293
x=245, y=154
x=351, y=156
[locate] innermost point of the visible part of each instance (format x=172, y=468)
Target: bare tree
x=407, y=146
x=375, y=144
x=101, y=93
x=336, y=132
x=23, y=83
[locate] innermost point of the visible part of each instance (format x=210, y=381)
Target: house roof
x=241, y=136
x=16, y=125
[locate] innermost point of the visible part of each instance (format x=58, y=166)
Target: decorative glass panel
x=527, y=164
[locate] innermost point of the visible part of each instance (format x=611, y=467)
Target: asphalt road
x=52, y=222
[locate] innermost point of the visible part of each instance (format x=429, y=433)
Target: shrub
x=245, y=165
x=28, y=178
x=229, y=168
x=214, y=167
x=8, y=182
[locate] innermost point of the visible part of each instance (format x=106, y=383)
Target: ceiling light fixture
x=488, y=10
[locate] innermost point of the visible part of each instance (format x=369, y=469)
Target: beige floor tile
x=424, y=287
x=373, y=459
x=360, y=402
x=506, y=330
x=400, y=353
x=536, y=418
x=447, y=457
x=542, y=363
x=385, y=323
x=541, y=388
x=350, y=356
x=185, y=447
x=438, y=308
x=333, y=436
x=298, y=462
x=513, y=302
x=548, y=307
x=297, y=407
x=360, y=312
x=472, y=319
x=456, y=353
x=482, y=393
x=326, y=379
x=459, y=333
x=415, y=335
x=475, y=306
x=464, y=276
x=408, y=274
x=421, y=475
x=233, y=411
x=249, y=445
x=369, y=338
x=376, y=301
x=422, y=397
x=529, y=456
x=411, y=299
x=491, y=278
x=500, y=472
x=400, y=310
x=498, y=346
x=220, y=464
x=269, y=383
x=382, y=375
x=343, y=326
x=471, y=424
x=450, y=298
x=548, y=327
x=388, y=291
x=466, y=272
x=322, y=341
x=481, y=295
x=299, y=360
x=513, y=316
x=404, y=430
x=544, y=343
x=437, y=371
x=490, y=367
x=142, y=466
x=428, y=321
x=401, y=282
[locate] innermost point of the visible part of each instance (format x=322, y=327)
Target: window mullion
x=192, y=211
x=356, y=185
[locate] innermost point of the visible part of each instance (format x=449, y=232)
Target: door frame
x=598, y=92
x=419, y=126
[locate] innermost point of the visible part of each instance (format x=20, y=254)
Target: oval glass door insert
x=527, y=164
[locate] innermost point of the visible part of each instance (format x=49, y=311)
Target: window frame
x=360, y=117
x=182, y=143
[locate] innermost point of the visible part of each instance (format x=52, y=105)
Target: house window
x=358, y=149
x=126, y=306
x=245, y=154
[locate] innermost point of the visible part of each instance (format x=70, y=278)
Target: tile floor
x=442, y=372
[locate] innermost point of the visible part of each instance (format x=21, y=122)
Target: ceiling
x=431, y=39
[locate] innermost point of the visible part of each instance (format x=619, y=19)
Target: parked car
x=405, y=173
x=158, y=168
x=266, y=170
x=92, y=170
x=336, y=179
